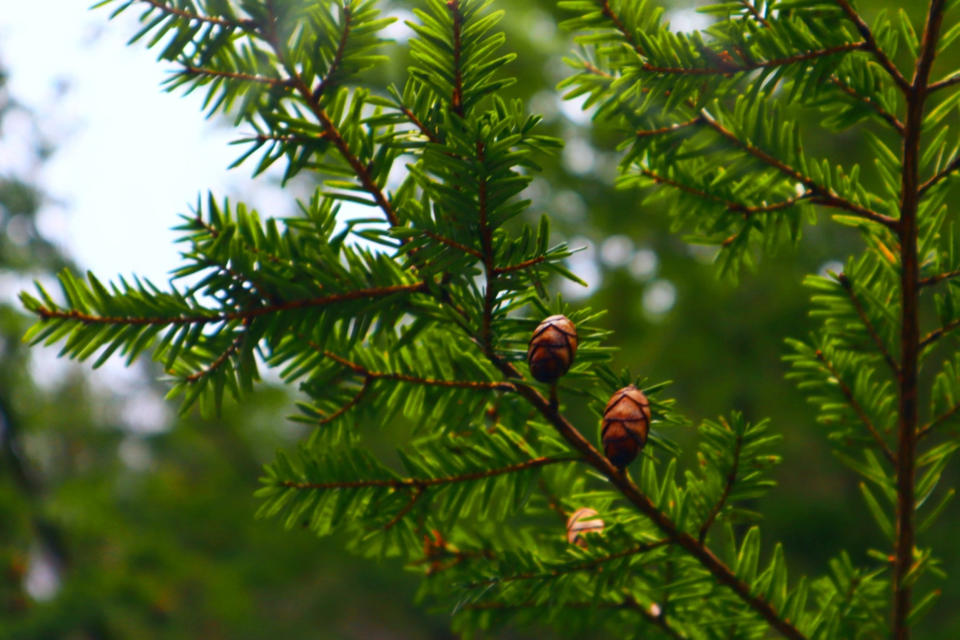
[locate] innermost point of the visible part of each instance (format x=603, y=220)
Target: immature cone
x=626, y=423
x=552, y=347
x=578, y=525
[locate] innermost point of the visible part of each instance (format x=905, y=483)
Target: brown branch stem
x=243, y=314
x=354, y=401
x=338, y=54
x=936, y=334
x=412, y=117
x=218, y=361
x=645, y=133
x=726, y=68
x=888, y=117
x=403, y=377
x=235, y=75
x=910, y=346
x=942, y=174
x=331, y=130
x=925, y=430
x=450, y=242
x=196, y=17
x=949, y=81
x=756, y=14
x=858, y=306
x=526, y=264
x=857, y=407
x=727, y=487
x=422, y=483
x=940, y=277
x=824, y=196
x=872, y=46
x=737, y=207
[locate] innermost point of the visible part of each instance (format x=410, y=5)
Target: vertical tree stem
x=909, y=330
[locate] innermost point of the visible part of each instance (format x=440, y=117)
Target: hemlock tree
x=427, y=323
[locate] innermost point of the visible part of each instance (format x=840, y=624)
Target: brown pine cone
x=626, y=423
x=552, y=347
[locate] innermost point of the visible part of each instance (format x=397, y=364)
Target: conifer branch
x=456, y=98
x=261, y=138
x=196, y=17
x=414, y=499
x=574, y=567
x=191, y=70
x=848, y=287
x=424, y=483
x=350, y=404
x=526, y=264
x=436, y=547
x=330, y=129
x=415, y=121
x=943, y=173
x=727, y=68
x=659, y=620
x=450, y=242
x=938, y=333
x=891, y=119
x=910, y=345
x=218, y=361
x=949, y=81
x=489, y=264
x=925, y=430
x=363, y=174
x=872, y=46
x=940, y=277
x=727, y=488
x=338, y=55
x=241, y=314
x=215, y=233
x=857, y=407
x=736, y=207
x=628, y=603
x=700, y=552
x=753, y=65
x=402, y=377
x=824, y=196
x=755, y=13
x=644, y=133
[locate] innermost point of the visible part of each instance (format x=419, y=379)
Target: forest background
x=112, y=530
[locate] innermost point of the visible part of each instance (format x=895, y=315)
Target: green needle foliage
x=417, y=317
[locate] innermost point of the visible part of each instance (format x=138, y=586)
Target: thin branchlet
x=215, y=317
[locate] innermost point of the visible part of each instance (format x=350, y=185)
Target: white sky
x=129, y=157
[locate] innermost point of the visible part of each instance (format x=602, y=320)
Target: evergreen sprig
x=726, y=153
x=427, y=333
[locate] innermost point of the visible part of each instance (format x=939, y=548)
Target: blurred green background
x=112, y=531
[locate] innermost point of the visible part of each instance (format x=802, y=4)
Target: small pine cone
x=578, y=526
x=552, y=347
x=626, y=423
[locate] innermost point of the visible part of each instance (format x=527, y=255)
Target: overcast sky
x=128, y=157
